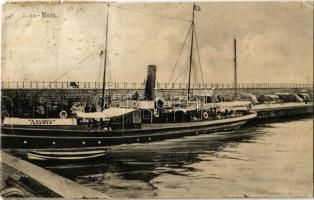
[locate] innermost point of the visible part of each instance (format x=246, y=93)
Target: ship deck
x=154, y=126
x=145, y=127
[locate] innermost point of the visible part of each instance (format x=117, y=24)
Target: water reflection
x=229, y=164
x=133, y=167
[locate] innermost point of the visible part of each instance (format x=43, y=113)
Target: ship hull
x=50, y=138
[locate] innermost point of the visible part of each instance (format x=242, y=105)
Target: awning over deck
x=234, y=104
x=107, y=113
x=116, y=112
x=146, y=105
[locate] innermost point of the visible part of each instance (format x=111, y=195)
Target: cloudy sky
x=275, y=41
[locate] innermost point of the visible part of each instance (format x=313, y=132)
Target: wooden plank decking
x=57, y=184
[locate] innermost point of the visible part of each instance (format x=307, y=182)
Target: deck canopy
x=234, y=103
x=91, y=115
x=117, y=112
x=106, y=114
x=146, y=105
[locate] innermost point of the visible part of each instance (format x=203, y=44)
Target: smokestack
x=150, y=82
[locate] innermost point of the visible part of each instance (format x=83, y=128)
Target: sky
x=274, y=41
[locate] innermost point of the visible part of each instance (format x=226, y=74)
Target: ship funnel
x=150, y=82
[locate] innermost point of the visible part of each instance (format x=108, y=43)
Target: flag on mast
x=197, y=8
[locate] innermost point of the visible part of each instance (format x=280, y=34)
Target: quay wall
x=78, y=94
x=270, y=111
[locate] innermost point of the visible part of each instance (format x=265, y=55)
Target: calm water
x=268, y=160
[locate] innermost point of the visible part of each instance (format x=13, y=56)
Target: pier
x=58, y=91
x=35, y=181
x=267, y=111
x=19, y=92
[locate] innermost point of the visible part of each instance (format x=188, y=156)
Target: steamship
x=83, y=135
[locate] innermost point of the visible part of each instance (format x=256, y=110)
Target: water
x=267, y=160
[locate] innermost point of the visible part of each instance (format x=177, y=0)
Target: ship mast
x=105, y=61
x=235, y=68
x=191, y=52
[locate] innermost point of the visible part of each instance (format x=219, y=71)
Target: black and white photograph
x=157, y=100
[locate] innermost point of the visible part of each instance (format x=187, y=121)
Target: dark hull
x=43, y=138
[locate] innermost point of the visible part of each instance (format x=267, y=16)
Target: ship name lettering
x=41, y=122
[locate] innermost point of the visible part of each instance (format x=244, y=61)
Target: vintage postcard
x=156, y=99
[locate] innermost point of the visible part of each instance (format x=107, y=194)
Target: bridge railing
x=137, y=85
